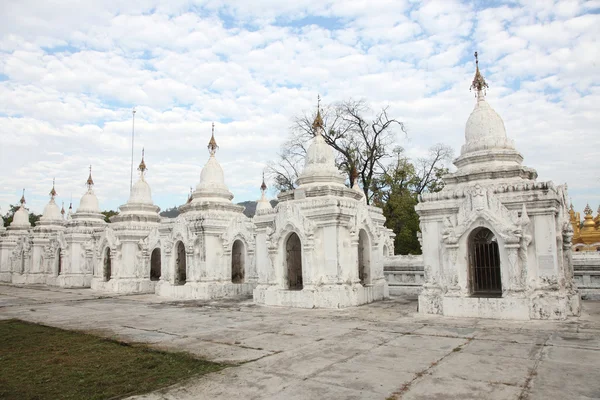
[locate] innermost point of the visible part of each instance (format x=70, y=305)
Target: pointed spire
x=479, y=83
x=263, y=186
x=588, y=210
x=318, y=122
x=90, y=181
x=212, y=144
x=142, y=168
x=22, y=201
x=53, y=192
x=62, y=210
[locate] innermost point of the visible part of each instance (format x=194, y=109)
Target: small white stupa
x=263, y=203
x=321, y=246
x=20, y=220
x=127, y=235
x=210, y=245
x=51, y=218
x=483, y=254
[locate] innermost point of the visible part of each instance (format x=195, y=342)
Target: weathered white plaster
x=528, y=220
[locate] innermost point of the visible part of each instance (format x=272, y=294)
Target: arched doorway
x=364, y=257
x=155, y=265
x=107, y=265
x=238, y=262
x=180, y=265
x=484, y=264
x=293, y=252
x=59, y=262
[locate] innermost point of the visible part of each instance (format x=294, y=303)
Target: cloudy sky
x=71, y=72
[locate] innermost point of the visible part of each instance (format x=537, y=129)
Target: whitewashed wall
x=404, y=274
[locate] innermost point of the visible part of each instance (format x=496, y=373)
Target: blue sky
x=71, y=72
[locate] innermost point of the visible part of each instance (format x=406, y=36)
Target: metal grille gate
x=484, y=262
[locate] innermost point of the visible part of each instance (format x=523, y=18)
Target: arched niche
x=293, y=261
x=484, y=264
x=107, y=270
x=59, y=262
x=238, y=261
x=155, y=265
x=180, y=264
x=364, y=257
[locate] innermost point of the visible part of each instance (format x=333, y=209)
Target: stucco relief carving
x=290, y=217
x=239, y=227
x=481, y=203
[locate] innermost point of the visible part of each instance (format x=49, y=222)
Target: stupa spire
x=263, y=186
x=318, y=122
x=22, y=201
x=479, y=84
x=53, y=191
x=62, y=210
x=212, y=144
x=90, y=181
x=142, y=167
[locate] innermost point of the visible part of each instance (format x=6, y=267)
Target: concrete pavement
x=383, y=350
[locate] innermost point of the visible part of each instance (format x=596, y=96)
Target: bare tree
x=360, y=145
x=430, y=170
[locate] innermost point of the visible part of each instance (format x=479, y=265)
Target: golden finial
x=263, y=186
x=90, y=181
x=142, y=168
x=479, y=83
x=587, y=210
x=53, y=192
x=212, y=144
x=22, y=201
x=318, y=122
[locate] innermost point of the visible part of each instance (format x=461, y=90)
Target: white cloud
x=70, y=74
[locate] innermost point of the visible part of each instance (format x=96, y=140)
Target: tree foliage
x=108, y=214
x=397, y=189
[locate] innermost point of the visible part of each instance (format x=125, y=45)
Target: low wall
x=587, y=274
x=404, y=274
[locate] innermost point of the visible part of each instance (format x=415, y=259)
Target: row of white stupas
x=496, y=243
x=321, y=246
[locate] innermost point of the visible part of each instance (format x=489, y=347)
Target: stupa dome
x=140, y=193
x=484, y=122
x=21, y=218
x=319, y=166
x=212, y=176
x=89, y=203
x=51, y=212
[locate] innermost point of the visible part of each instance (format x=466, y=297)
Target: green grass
x=41, y=362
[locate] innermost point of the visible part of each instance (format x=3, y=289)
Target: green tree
x=397, y=189
x=108, y=214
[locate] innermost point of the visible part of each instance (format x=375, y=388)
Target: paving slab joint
x=533, y=371
x=398, y=393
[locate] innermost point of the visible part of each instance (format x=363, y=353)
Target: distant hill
x=170, y=212
x=249, y=211
x=251, y=207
